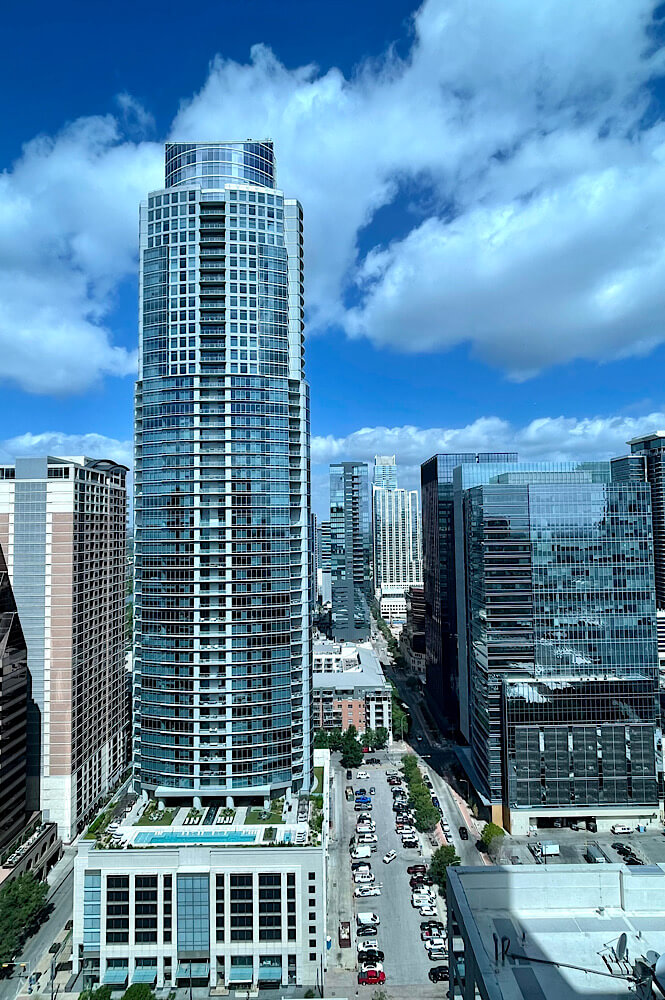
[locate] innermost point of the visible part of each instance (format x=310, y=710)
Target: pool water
x=166, y=837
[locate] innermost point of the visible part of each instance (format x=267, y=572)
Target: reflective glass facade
x=652, y=448
x=222, y=554
x=559, y=604
x=15, y=691
x=350, y=550
x=438, y=568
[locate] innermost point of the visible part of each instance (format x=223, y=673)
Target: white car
x=362, y=774
x=428, y=911
x=390, y=856
x=367, y=890
x=368, y=945
x=366, y=827
x=422, y=900
x=435, y=943
x=363, y=878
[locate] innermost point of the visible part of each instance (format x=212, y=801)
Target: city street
x=406, y=962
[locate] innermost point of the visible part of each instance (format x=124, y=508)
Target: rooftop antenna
x=621, y=947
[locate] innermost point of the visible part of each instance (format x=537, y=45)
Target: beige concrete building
x=62, y=528
x=350, y=688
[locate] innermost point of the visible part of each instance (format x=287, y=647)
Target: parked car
x=365, y=930
x=362, y=878
x=418, y=901
x=364, y=946
x=371, y=976
x=365, y=917
x=370, y=956
x=432, y=932
x=464, y=833
x=417, y=880
x=437, y=942
x=349, y=775
x=390, y=856
x=438, y=973
x=362, y=799
x=424, y=924
x=437, y=955
x=416, y=870
x=372, y=790
x=361, y=791
x=362, y=774
x=435, y=802
x=366, y=890
x=428, y=911
x=409, y=842
x=359, y=866
x=361, y=806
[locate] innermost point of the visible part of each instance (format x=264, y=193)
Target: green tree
x=427, y=817
x=400, y=718
x=335, y=739
x=352, y=752
x=381, y=735
x=321, y=740
x=369, y=739
x=491, y=837
x=139, y=991
x=101, y=993
x=442, y=858
x=22, y=907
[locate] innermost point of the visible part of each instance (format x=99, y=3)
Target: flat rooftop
x=566, y=913
x=368, y=673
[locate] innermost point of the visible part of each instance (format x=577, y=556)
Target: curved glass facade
x=211, y=164
x=222, y=567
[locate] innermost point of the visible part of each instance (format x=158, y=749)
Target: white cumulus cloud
x=528, y=127
x=66, y=445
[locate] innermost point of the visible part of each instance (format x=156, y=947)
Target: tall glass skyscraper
x=438, y=567
x=350, y=550
x=222, y=555
x=556, y=605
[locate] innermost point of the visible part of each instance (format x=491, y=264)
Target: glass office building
x=222, y=491
x=651, y=449
x=438, y=569
x=558, y=609
x=350, y=550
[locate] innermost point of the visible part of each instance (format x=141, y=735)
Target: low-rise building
x=36, y=849
x=215, y=897
x=554, y=932
x=355, y=692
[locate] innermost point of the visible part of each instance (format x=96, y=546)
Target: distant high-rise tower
x=62, y=528
x=222, y=552
x=651, y=449
x=350, y=549
x=436, y=480
x=14, y=696
x=396, y=537
x=385, y=471
x=324, y=569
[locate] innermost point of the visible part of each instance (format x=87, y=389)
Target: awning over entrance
x=199, y=970
x=145, y=974
x=241, y=974
x=270, y=974
x=115, y=977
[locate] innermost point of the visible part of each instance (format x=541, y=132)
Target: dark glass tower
x=350, y=545
x=651, y=448
x=560, y=641
x=14, y=698
x=222, y=553
x=438, y=560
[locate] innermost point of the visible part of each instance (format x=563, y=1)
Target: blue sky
x=482, y=187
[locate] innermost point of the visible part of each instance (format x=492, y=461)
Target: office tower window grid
x=222, y=552
x=562, y=643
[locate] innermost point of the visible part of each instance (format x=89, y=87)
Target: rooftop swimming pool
x=165, y=838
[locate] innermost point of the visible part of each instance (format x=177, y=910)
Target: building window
x=219, y=908
x=242, y=907
x=270, y=907
x=193, y=912
x=117, y=909
x=145, y=909
x=168, y=908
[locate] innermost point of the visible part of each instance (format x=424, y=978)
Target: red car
x=370, y=977
x=420, y=880
x=416, y=870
